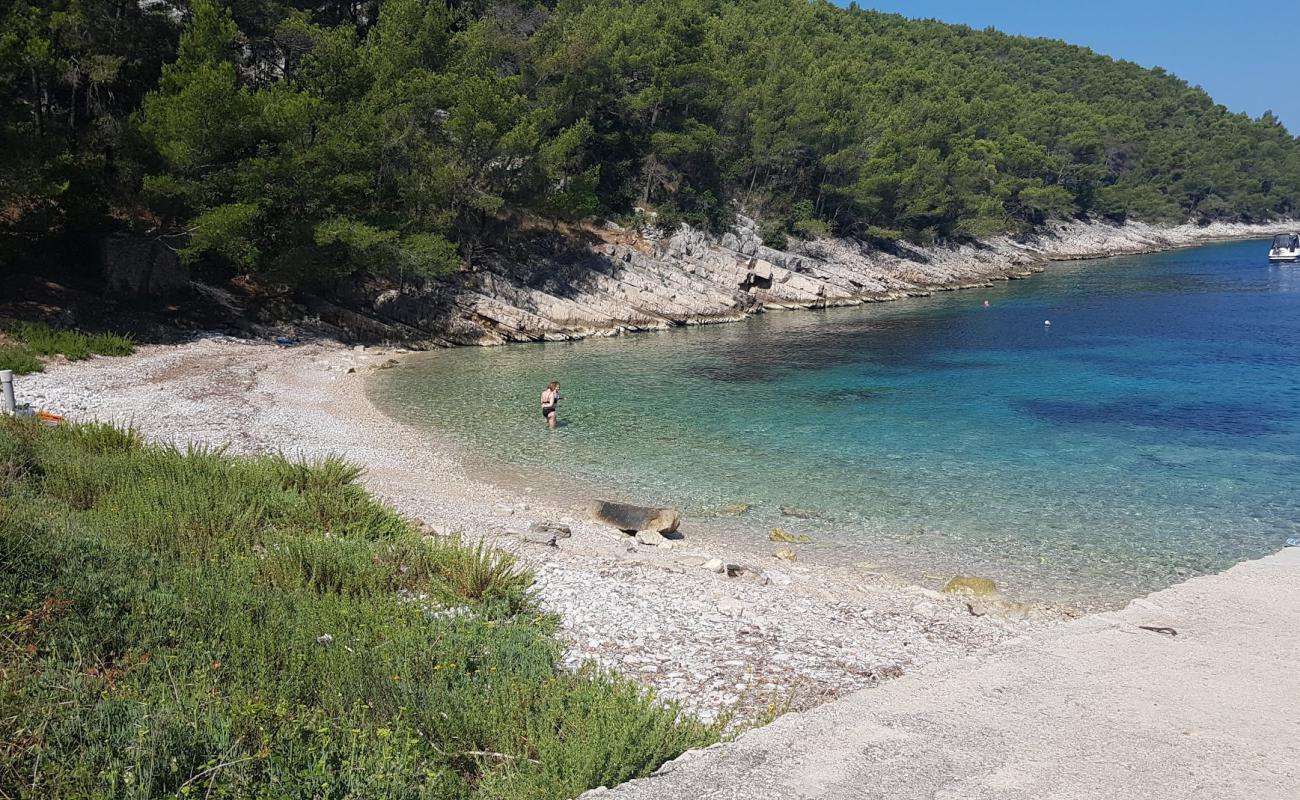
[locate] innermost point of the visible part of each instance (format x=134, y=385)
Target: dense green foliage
x=311, y=140
x=189, y=624
x=22, y=346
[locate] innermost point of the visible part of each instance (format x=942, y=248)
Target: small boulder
x=559, y=531
x=630, y=518
x=971, y=585
x=786, y=554
x=715, y=565
x=545, y=538
x=778, y=578
x=651, y=538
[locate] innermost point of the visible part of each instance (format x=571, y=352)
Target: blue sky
x=1245, y=53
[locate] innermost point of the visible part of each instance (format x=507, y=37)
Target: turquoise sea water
x=1151, y=432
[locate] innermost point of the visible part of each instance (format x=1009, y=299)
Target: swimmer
x=550, y=399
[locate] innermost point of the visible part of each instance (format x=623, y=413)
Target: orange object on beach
x=46, y=416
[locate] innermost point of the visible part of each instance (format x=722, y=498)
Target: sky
x=1245, y=53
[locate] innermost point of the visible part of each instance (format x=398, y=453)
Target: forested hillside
x=305, y=141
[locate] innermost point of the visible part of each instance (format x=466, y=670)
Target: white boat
x=1286, y=247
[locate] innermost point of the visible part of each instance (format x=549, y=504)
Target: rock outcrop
x=140, y=268
x=605, y=280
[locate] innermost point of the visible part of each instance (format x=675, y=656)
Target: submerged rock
x=972, y=585
x=629, y=518
x=728, y=510
x=786, y=554
x=800, y=513
x=782, y=535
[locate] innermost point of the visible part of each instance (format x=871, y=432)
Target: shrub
x=19, y=359
x=35, y=339
x=187, y=623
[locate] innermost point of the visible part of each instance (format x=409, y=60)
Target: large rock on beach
x=630, y=519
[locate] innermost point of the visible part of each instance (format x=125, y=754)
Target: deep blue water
x=1151, y=432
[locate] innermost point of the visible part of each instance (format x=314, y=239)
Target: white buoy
x=1047, y=322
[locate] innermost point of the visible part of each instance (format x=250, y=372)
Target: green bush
x=34, y=339
x=187, y=623
x=19, y=359
x=73, y=345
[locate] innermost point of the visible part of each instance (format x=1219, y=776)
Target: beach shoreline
x=782, y=635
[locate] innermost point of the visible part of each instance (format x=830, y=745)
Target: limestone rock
x=786, y=554
x=630, y=518
x=715, y=565
x=651, y=538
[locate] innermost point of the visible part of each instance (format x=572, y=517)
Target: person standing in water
x=550, y=398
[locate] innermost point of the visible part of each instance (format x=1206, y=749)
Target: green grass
x=183, y=623
x=31, y=340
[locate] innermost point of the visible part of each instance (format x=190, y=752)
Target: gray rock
x=715, y=565
x=630, y=518
x=560, y=531
x=546, y=538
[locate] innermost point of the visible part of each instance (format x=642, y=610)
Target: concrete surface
x=1096, y=708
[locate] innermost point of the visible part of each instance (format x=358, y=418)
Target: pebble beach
x=744, y=644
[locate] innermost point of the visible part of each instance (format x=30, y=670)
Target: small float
x=1286, y=248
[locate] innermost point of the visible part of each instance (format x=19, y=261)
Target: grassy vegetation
x=187, y=623
x=30, y=340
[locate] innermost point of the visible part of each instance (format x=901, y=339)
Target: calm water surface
x=1150, y=433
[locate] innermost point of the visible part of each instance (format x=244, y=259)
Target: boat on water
x=1286, y=247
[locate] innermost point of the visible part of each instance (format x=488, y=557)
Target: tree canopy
x=305, y=141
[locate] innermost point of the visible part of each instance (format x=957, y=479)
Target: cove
x=1150, y=433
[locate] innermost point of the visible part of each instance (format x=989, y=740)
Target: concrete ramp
x=1097, y=709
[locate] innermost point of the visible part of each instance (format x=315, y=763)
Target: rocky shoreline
x=604, y=280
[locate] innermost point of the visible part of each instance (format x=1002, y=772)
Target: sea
x=1086, y=435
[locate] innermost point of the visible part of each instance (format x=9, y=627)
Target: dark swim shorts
x=547, y=411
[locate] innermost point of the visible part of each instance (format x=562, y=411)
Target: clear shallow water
x=1151, y=433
